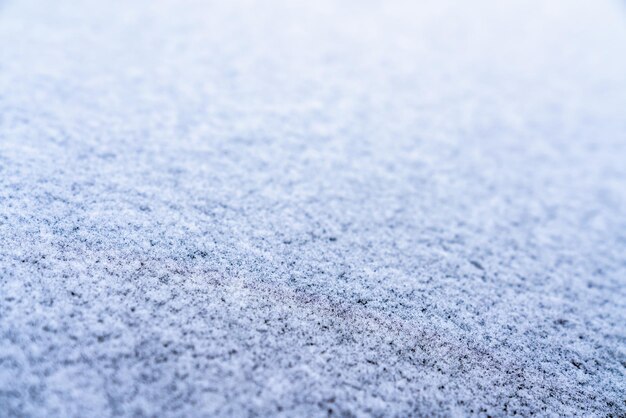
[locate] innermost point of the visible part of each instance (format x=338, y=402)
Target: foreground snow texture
x=336, y=207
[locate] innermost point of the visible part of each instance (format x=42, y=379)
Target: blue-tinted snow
x=369, y=208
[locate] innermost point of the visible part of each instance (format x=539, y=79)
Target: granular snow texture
x=353, y=208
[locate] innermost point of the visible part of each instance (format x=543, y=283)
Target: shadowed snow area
x=353, y=208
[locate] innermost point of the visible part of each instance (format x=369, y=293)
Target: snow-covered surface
x=312, y=208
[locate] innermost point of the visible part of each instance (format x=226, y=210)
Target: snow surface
x=354, y=208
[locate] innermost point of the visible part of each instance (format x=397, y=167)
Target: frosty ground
x=353, y=208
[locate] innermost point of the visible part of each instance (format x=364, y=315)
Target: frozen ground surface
x=344, y=208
